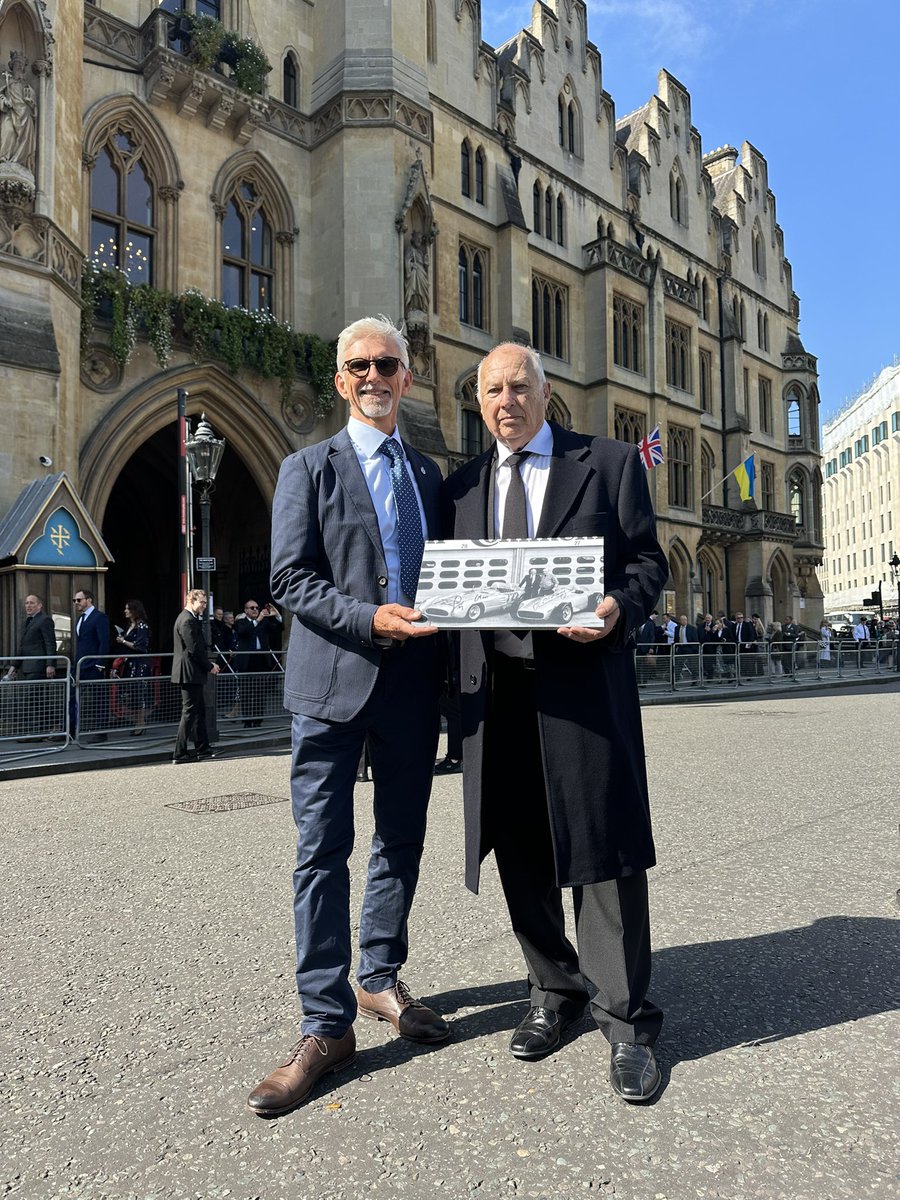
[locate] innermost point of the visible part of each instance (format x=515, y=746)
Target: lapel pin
x=421, y=470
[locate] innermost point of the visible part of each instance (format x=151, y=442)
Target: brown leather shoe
x=409, y=1017
x=290, y=1084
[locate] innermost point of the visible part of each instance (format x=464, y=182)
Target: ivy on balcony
x=213, y=47
x=238, y=337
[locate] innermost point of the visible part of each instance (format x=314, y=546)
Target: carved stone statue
x=416, y=282
x=18, y=114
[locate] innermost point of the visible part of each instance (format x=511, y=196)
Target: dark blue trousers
x=400, y=721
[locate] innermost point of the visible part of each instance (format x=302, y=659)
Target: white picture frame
x=534, y=583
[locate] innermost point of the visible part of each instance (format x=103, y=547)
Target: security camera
x=45, y=460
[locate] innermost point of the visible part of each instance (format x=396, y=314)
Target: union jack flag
x=650, y=450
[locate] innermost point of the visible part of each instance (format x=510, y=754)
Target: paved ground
x=147, y=954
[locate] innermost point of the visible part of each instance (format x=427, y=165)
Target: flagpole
x=721, y=481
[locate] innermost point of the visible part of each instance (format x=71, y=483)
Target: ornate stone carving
x=36, y=239
x=298, y=413
x=18, y=133
x=99, y=370
x=220, y=111
x=799, y=362
x=621, y=258
x=680, y=289
x=416, y=276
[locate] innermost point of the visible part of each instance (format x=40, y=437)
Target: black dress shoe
x=538, y=1034
x=182, y=758
x=633, y=1072
x=448, y=766
x=206, y=752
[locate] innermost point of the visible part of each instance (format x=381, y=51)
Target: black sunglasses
x=386, y=367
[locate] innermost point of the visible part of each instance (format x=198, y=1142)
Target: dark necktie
x=409, y=520
x=515, y=511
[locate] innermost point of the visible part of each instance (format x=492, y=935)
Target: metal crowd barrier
x=667, y=669
x=114, y=704
x=34, y=709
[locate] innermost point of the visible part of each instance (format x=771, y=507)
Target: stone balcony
x=730, y=525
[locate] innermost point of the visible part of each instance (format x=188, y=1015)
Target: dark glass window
x=479, y=175
x=122, y=209
x=289, y=81
x=465, y=169
x=247, y=255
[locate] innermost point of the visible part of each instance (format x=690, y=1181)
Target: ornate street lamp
x=204, y=454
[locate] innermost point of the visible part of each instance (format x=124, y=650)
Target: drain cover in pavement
x=231, y=803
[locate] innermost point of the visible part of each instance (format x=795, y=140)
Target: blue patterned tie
x=409, y=520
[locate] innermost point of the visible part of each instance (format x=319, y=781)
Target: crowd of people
x=126, y=657
x=719, y=647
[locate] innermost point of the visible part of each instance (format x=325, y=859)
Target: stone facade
x=861, y=450
x=401, y=165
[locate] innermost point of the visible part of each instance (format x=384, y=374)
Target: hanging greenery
x=212, y=46
x=238, y=337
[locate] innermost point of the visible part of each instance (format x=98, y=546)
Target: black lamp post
x=204, y=453
x=894, y=564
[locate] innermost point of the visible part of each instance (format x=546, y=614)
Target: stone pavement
x=148, y=967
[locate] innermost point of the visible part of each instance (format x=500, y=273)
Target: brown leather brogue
x=408, y=1016
x=290, y=1083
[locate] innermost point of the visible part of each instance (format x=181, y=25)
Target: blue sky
x=811, y=83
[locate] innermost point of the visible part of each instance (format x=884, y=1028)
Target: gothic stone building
x=391, y=162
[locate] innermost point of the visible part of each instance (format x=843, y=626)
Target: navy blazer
x=329, y=571
x=92, y=642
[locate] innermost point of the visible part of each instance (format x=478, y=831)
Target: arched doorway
x=129, y=467
x=141, y=528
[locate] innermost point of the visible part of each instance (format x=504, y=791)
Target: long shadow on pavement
x=777, y=985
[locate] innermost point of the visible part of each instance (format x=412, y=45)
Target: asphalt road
x=147, y=956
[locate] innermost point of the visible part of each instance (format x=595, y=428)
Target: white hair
x=530, y=353
x=380, y=326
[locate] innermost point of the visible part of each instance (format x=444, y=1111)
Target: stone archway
x=130, y=474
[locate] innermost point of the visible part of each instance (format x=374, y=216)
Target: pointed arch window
x=123, y=208
x=797, y=493
x=568, y=122
x=479, y=175
x=289, y=77
x=628, y=334
x=628, y=426
x=794, y=414
x=537, y=207
x=557, y=411
x=465, y=168
x=548, y=214
x=549, y=317
x=677, y=197
x=758, y=251
x=681, y=467
x=472, y=272
x=560, y=220
x=563, y=121
x=463, y=285
x=707, y=471
x=247, y=258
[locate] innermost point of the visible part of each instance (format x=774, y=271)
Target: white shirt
x=376, y=468
x=535, y=472
x=670, y=631
x=861, y=632
x=87, y=612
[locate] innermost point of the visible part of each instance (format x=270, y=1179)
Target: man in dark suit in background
x=91, y=645
x=552, y=725
x=348, y=525
x=255, y=636
x=37, y=641
x=190, y=667
x=37, y=644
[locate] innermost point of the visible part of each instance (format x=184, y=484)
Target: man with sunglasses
x=349, y=520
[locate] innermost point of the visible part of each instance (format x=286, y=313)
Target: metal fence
x=34, y=709
x=667, y=669
x=132, y=696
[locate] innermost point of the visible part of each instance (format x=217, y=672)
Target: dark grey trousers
x=611, y=967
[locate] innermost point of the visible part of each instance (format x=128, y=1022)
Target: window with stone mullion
x=123, y=204
x=680, y=458
x=247, y=256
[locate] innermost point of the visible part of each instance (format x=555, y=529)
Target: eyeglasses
x=359, y=367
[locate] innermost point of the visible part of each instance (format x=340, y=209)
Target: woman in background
x=135, y=640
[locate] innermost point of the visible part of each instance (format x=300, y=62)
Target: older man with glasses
x=349, y=521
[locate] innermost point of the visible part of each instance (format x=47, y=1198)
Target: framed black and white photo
x=538, y=583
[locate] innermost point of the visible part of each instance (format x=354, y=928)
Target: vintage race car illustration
x=559, y=605
x=473, y=603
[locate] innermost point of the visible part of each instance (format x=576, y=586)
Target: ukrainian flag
x=745, y=475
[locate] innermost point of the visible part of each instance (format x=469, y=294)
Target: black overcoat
x=588, y=710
